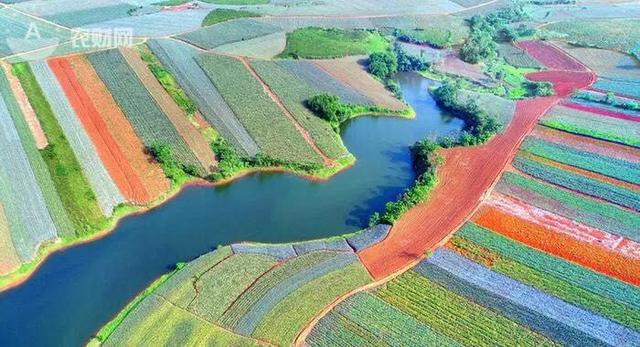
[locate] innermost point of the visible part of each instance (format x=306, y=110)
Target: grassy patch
x=72, y=186
x=332, y=43
x=220, y=15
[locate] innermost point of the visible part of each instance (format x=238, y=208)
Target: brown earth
x=9, y=260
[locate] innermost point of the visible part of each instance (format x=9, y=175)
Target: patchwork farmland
x=207, y=177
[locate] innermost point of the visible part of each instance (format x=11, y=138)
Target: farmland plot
x=228, y=32
x=18, y=26
x=196, y=142
x=276, y=136
x=149, y=172
x=626, y=86
x=179, y=59
x=9, y=260
x=43, y=8
x=22, y=199
x=598, y=214
x=76, y=18
x=107, y=148
x=264, y=47
x=159, y=24
x=69, y=183
x=550, y=56
x=593, y=125
x=293, y=92
x=323, y=82
x=106, y=191
x=619, y=35
x=150, y=123
x=349, y=71
x=603, y=109
x=606, y=63
x=64, y=226
x=501, y=108
x=516, y=56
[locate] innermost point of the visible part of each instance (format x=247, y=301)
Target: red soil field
x=551, y=56
x=148, y=171
x=601, y=111
x=594, y=257
x=9, y=260
x=108, y=150
x=562, y=225
x=466, y=175
x=588, y=144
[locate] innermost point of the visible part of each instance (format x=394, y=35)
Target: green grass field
x=317, y=43
x=220, y=15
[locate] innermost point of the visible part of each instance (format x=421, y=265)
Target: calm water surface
x=77, y=290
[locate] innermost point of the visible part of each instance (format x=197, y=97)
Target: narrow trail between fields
x=276, y=99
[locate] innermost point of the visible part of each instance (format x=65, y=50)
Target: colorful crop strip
x=593, y=125
x=275, y=134
x=620, y=169
x=500, y=260
x=453, y=315
x=118, y=167
x=581, y=209
x=619, y=86
x=179, y=59
x=592, y=256
x=588, y=186
x=603, y=111
x=293, y=92
x=550, y=56
x=365, y=319
x=64, y=170
x=150, y=123
x=544, y=313
x=117, y=124
x=105, y=189
x=559, y=224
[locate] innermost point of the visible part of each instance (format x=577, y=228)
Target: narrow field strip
x=601, y=111
x=593, y=257
x=179, y=59
x=545, y=281
x=616, y=168
x=550, y=56
x=588, y=144
x=590, y=324
x=150, y=123
x=365, y=319
x=64, y=226
x=454, y=316
x=150, y=173
x=578, y=183
x=105, y=189
x=595, y=213
x=27, y=111
x=524, y=315
x=22, y=199
x=9, y=259
x=201, y=149
x=107, y=148
x=551, y=265
x=267, y=123
x=586, y=234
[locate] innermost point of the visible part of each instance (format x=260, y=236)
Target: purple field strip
x=594, y=325
x=281, y=252
x=368, y=237
x=24, y=204
x=106, y=191
x=259, y=310
x=337, y=245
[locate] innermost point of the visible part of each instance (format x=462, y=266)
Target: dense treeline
x=386, y=64
x=177, y=172
x=479, y=125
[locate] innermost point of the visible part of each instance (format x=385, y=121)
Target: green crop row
x=454, y=315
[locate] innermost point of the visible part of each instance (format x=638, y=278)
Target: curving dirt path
x=465, y=179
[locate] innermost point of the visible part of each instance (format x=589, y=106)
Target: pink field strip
x=601, y=111
x=551, y=56
x=559, y=224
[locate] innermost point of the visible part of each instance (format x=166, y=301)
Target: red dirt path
x=467, y=175
x=108, y=149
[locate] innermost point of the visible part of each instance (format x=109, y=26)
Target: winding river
x=79, y=289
